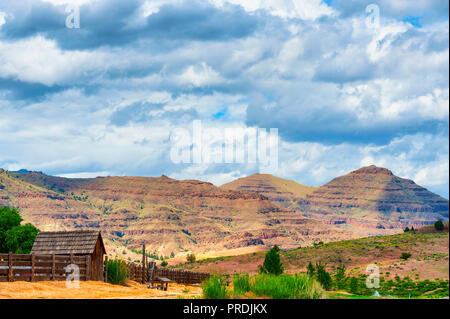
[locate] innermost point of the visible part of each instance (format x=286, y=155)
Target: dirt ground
x=93, y=290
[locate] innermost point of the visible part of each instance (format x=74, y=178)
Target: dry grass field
x=93, y=290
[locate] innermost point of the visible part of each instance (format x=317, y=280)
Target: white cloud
x=304, y=75
x=303, y=9
x=2, y=18
x=200, y=75
x=85, y=174
x=40, y=60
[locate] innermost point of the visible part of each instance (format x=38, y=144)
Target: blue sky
x=103, y=99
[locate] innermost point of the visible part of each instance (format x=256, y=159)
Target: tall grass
x=117, y=271
x=214, y=288
x=287, y=287
x=278, y=287
x=241, y=284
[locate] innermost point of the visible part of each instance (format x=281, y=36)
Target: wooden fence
x=151, y=271
x=25, y=267
x=182, y=276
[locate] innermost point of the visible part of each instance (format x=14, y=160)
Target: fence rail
x=146, y=274
x=24, y=267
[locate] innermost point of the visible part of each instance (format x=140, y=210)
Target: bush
x=287, y=287
x=241, y=284
x=405, y=256
x=439, y=225
x=164, y=264
x=406, y=230
x=190, y=258
x=215, y=288
x=272, y=263
x=310, y=270
x=118, y=271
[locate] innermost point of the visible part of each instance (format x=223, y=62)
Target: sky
x=347, y=83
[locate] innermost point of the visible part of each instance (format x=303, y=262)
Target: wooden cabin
x=79, y=243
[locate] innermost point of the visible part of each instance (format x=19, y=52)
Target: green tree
x=323, y=276
x=190, y=258
x=354, y=285
x=406, y=230
x=340, y=278
x=20, y=239
x=439, y=225
x=9, y=218
x=164, y=264
x=272, y=262
x=310, y=270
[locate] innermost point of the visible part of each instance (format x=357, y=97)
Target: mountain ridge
x=166, y=214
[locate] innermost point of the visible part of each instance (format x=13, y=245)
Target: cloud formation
x=342, y=93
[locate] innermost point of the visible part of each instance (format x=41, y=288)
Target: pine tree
x=340, y=277
x=439, y=225
x=323, y=276
x=272, y=262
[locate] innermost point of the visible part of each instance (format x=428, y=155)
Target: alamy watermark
x=73, y=19
x=373, y=18
x=73, y=277
x=229, y=145
x=373, y=279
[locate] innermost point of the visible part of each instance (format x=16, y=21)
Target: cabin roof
x=67, y=242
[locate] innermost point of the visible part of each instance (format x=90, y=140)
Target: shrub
x=287, y=287
x=241, y=284
x=190, y=258
x=272, y=263
x=310, y=270
x=215, y=287
x=439, y=225
x=117, y=271
x=164, y=264
x=406, y=230
x=405, y=256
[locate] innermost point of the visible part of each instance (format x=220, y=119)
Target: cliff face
x=283, y=192
x=167, y=214
x=368, y=201
x=373, y=197
x=257, y=211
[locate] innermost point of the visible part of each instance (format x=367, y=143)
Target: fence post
x=53, y=266
x=143, y=264
x=32, y=267
x=88, y=267
x=10, y=268
x=106, y=269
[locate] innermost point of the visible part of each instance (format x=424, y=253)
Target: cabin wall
x=97, y=262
